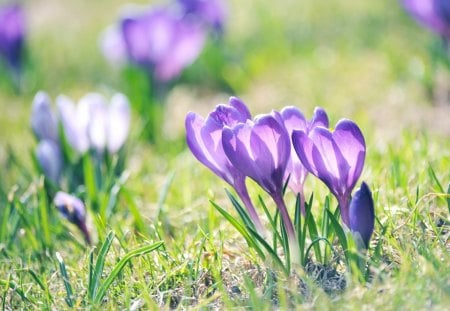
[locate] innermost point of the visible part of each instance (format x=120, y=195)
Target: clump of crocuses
x=12, y=37
x=280, y=149
x=93, y=127
x=80, y=150
x=160, y=41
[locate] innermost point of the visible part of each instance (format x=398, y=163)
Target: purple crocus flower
x=336, y=158
x=12, y=33
x=434, y=14
x=260, y=149
x=294, y=119
x=204, y=139
x=212, y=12
x=43, y=119
x=362, y=216
x=73, y=210
x=49, y=157
x=162, y=41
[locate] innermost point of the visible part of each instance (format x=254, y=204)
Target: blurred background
x=365, y=60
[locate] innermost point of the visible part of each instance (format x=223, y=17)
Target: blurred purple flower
x=204, y=139
x=434, y=14
x=49, y=157
x=12, y=33
x=362, y=216
x=336, y=158
x=212, y=12
x=162, y=41
x=73, y=210
x=260, y=149
x=43, y=120
x=294, y=119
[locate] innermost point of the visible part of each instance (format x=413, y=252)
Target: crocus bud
x=43, y=120
x=73, y=210
x=362, y=215
x=50, y=160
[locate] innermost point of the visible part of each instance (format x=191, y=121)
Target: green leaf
x=241, y=211
x=240, y=228
x=272, y=252
x=339, y=232
x=435, y=179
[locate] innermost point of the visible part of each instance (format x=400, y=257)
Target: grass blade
x=66, y=281
x=98, y=270
x=120, y=265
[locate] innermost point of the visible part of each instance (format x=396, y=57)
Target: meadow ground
x=363, y=60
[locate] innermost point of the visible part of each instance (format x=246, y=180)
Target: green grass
x=364, y=60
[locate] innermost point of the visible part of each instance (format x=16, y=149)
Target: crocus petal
x=205, y=143
x=294, y=120
x=74, y=124
x=239, y=105
x=350, y=141
x=118, y=124
x=187, y=42
x=212, y=12
x=320, y=118
x=148, y=35
x=362, y=215
x=50, y=160
x=113, y=47
x=260, y=150
x=43, y=120
x=430, y=13
x=94, y=107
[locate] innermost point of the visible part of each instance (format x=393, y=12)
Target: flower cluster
x=93, y=124
x=12, y=34
x=281, y=147
x=434, y=14
x=164, y=39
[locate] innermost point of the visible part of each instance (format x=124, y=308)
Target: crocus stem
x=243, y=194
x=343, y=207
x=293, y=245
x=82, y=226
